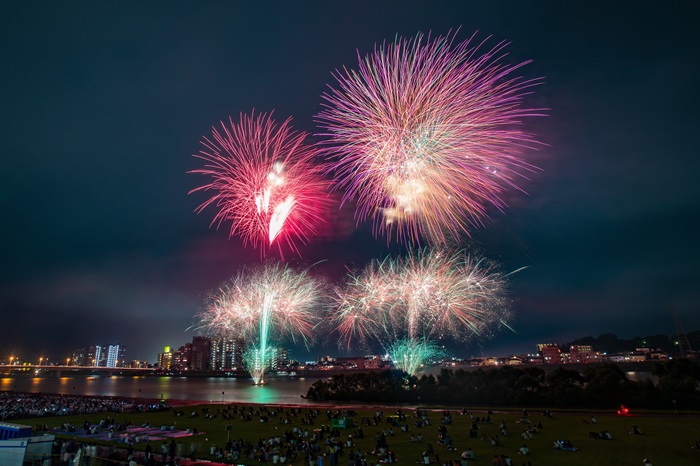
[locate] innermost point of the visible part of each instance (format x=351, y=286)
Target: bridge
x=60, y=371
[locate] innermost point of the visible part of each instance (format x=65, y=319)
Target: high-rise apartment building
x=115, y=356
x=182, y=357
x=100, y=356
x=201, y=354
x=280, y=358
x=226, y=353
x=165, y=359
x=215, y=354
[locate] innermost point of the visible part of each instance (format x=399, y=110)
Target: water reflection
x=278, y=391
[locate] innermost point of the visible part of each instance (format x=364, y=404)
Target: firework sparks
x=257, y=361
x=410, y=355
x=425, y=135
x=264, y=181
x=262, y=305
x=407, y=303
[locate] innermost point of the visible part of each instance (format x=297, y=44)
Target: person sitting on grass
x=635, y=430
x=564, y=445
x=463, y=458
x=524, y=450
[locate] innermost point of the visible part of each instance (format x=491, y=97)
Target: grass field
x=666, y=438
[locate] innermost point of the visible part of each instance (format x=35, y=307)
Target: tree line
x=598, y=386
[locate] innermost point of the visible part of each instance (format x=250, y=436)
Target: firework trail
x=262, y=305
x=409, y=303
x=426, y=135
x=264, y=181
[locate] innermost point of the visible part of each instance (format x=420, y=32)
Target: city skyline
x=104, y=108
x=222, y=351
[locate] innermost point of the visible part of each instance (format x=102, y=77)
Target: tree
x=564, y=387
x=606, y=386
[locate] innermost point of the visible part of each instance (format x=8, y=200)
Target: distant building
x=225, y=354
x=165, y=359
x=579, y=354
x=325, y=360
x=100, y=356
x=658, y=355
x=201, y=353
x=115, y=355
x=495, y=361
x=373, y=361
x=280, y=358
x=617, y=357
x=181, y=357
x=97, y=356
x=532, y=359
x=515, y=361
x=356, y=362
x=636, y=357
x=551, y=353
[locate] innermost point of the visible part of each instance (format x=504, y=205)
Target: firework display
x=424, y=138
x=426, y=135
x=407, y=303
x=263, y=181
x=270, y=303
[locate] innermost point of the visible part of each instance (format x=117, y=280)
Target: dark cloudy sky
x=103, y=103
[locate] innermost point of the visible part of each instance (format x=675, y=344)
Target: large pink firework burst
x=426, y=135
x=264, y=181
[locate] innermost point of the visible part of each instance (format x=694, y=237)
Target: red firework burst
x=264, y=181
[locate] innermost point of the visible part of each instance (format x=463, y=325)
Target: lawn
x=666, y=438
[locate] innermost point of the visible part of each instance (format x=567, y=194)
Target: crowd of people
x=31, y=405
x=306, y=435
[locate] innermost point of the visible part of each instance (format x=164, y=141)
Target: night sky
x=102, y=105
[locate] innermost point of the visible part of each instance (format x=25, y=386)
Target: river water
x=277, y=391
